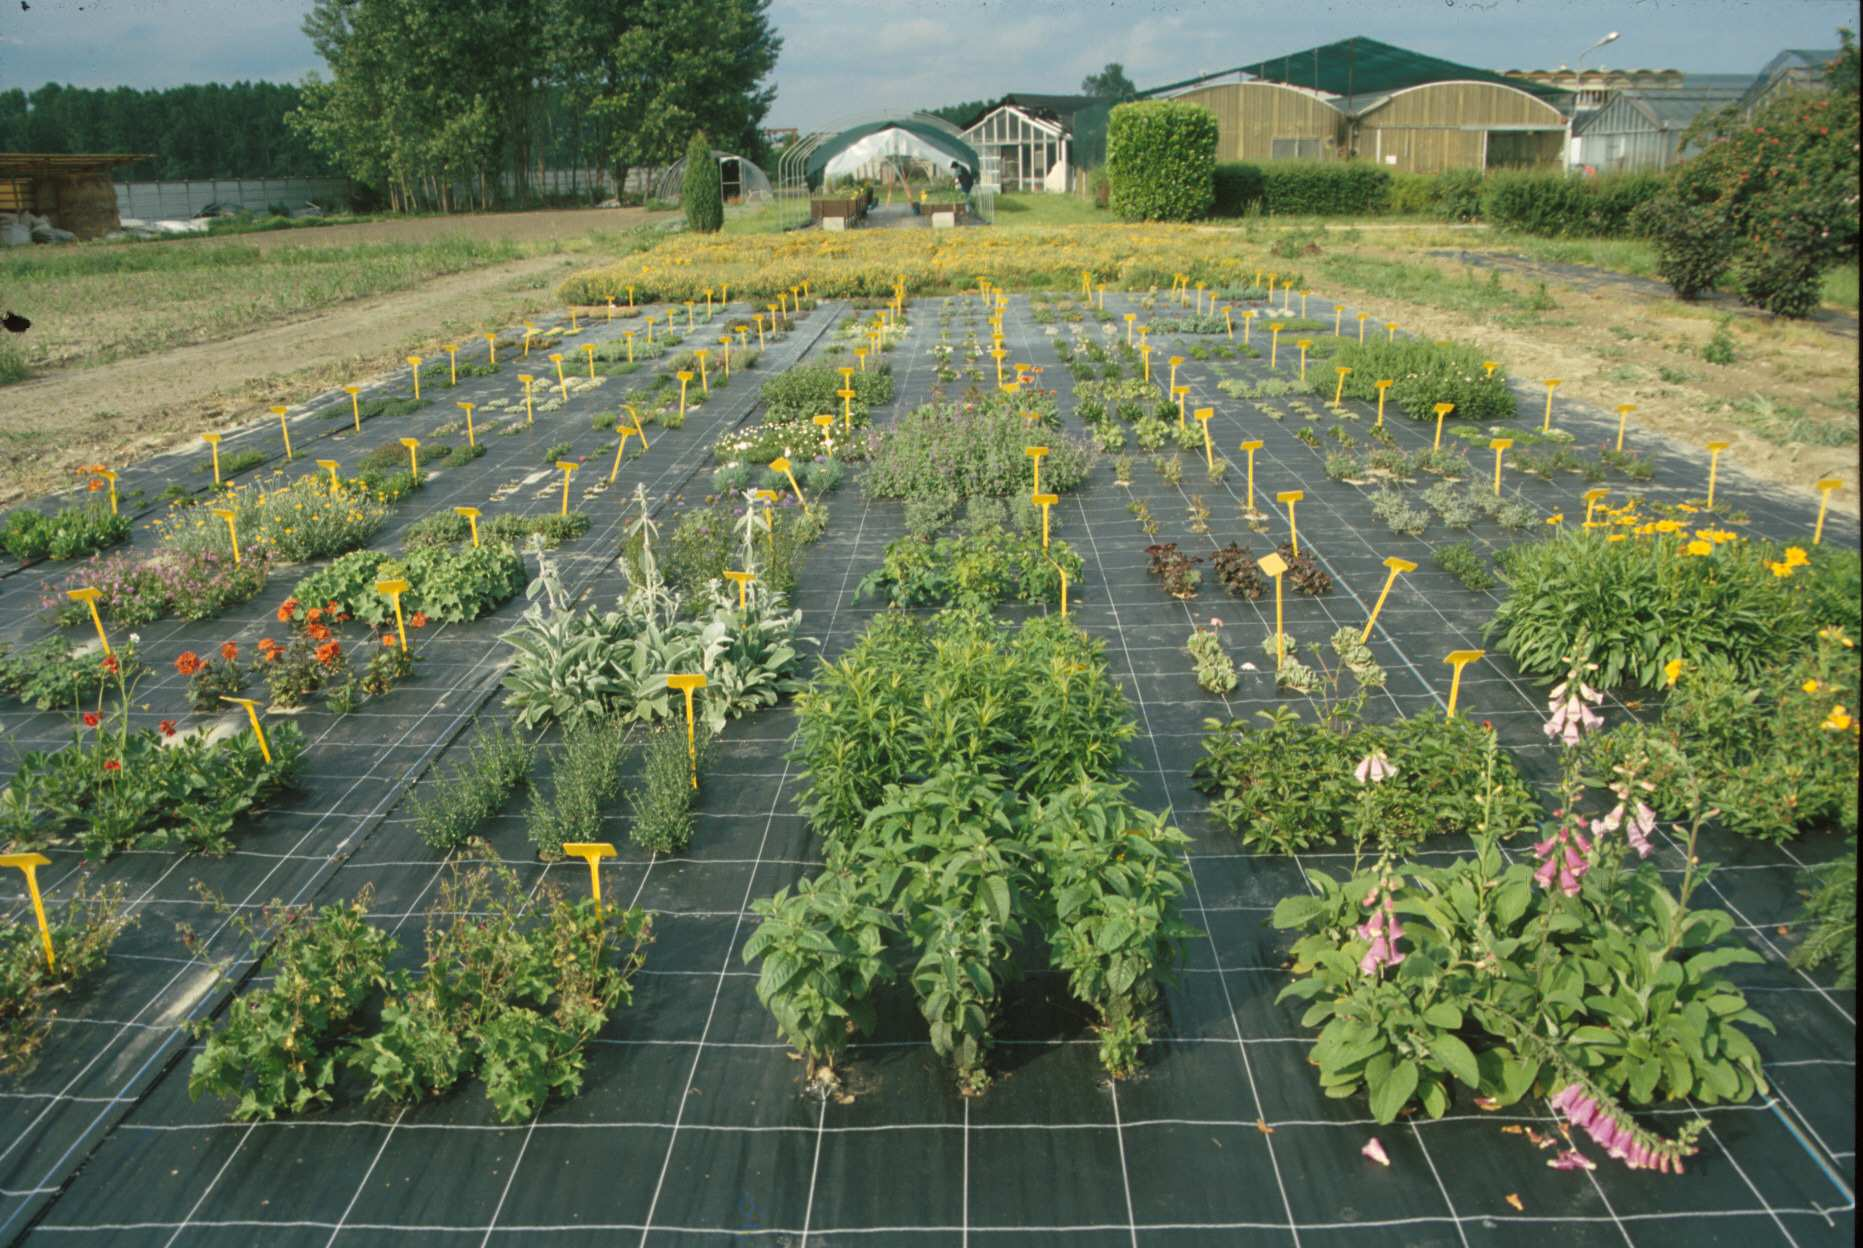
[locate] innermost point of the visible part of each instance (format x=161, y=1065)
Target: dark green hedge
x=1161, y=155
x=1302, y=188
x=1561, y=205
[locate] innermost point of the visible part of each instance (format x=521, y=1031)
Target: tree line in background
x=439, y=103
x=206, y=130
x=445, y=103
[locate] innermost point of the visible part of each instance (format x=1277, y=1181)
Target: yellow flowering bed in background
x=931, y=262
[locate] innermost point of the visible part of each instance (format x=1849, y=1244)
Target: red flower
x=419, y=619
x=168, y=727
x=229, y=651
x=328, y=652
x=110, y=764
x=91, y=719
x=188, y=663
x=333, y=607
x=110, y=664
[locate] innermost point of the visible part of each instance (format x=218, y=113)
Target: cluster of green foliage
x=445, y=528
x=1831, y=910
x=448, y=807
x=1425, y=373
x=938, y=456
x=1641, y=602
x=961, y=774
x=575, y=664
x=1561, y=205
x=608, y=87
x=975, y=571
x=1771, y=197
x=661, y=807
x=449, y=583
x=1760, y=745
x=69, y=533
x=115, y=789
x=50, y=675
x=707, y=541
x=585, y=776
x=82, y=933
x=1614, y=987
x=1287, y=784
x=1462, y=561
x=514, y=984
x=1161, y=155
x=200, y=130
x=1300, y=187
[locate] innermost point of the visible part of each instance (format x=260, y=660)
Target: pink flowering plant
x=1576, y=974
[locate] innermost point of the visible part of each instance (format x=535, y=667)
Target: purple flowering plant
x=1571, y=971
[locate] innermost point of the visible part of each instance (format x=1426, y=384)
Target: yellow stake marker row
x=413, y=445
x=1035, y=453
x=592, y=852
x=232, y=530
x=1499, y=447
x=472, y=519
x=279, y=411
x=330, y=466
x=741, y=580
x=568, y=468
x=213, y=442
x=1291, y=497
x=88, y=596
x=1045, y=501
x=1203, y=415
x=355, y=405
x=1442, y=410
x=530, y=412
x=1623, y=419
x=414, y=363
x=1551, y=384
x=781, y=464
x=1714, y=466
x=109, y=474
x=1824, y=501
x=1250, y=448
x=1384, y=387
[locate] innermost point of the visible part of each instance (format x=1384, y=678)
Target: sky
x=842, y=57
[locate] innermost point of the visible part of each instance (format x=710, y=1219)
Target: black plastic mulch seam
x=676, y=476
x=690, y=1127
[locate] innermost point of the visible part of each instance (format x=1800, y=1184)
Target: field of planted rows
x=1105, y=767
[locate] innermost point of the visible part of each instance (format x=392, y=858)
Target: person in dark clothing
x=964, y=181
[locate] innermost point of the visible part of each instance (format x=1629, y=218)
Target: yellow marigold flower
x=1838, y=720
x=1699, y=547
x=1796, y=557
x=1688, y=507
x=1669, y=526
x=1558, y=517
x=1780, y=570
x=1810, y=686
x=1617, y=537
x=1671, y=670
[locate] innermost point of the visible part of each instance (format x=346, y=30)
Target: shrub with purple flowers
x=136, y=588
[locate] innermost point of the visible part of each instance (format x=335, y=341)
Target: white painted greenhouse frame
x=753, y=184
x=1028, y=152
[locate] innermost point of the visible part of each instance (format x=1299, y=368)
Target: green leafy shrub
x=701, y=194
x=82, y=933
x=1425, y=373
x=1303, y=188
x=1562, y=205
x=1831, y=912
x=662, y=806
x=448, y=808
x=1461, y=560
x=69, y=533
x=135, y=588
x=708, y=541
x=49, y=675
x=976, y=571
x=585, y=776
x=911, y=694
x=1761, y=748
x=1286, y=784
x=1640, y=602
x=949, y=453
x=1161, y=155
x=116, y=789
x=1215, y=671
x=514, y=985
x=448, y=583
x=274, y=1051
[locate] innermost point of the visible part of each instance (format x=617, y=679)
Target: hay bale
x=84, y=203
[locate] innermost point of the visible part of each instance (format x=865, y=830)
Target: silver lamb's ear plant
x=750, y=532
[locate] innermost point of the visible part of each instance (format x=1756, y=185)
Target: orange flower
x=229, y=651
x=287, y=609
x=314, y=615
x=328, y=652
x=188, y=663
x=318, y=632
x=389, y=639
x=418, y=619
x=96, y=484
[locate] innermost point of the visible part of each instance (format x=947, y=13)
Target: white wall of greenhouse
x=1029, y=153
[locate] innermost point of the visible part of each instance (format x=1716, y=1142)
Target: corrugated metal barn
x=1460, y=125
x=1642, y=130
x=1270, y=121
